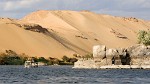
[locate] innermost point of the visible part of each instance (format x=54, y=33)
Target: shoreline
x=116, y=67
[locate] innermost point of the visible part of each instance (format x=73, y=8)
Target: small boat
x=29, y=64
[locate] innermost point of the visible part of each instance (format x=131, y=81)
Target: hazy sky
x=134, y=8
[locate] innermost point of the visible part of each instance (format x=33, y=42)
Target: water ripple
x=67, y=75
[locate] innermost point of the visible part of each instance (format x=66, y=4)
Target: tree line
x=10, y=57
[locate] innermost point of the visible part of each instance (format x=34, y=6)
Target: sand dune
x=68, y=32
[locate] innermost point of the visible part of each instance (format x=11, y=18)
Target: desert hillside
x=58, y=33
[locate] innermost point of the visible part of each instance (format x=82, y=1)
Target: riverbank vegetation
x=10, y=57
x=144, y=37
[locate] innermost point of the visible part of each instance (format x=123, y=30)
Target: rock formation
x=99, y=51
x=139, y=54
x=136, y=56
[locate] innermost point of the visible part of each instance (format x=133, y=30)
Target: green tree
x=65, y=58
x=42, y=59
x=52, y=61
x=12, y=58
x=144, y=37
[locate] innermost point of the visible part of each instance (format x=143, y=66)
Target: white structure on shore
x=137, y=56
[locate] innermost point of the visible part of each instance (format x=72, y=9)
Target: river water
x=67, y=75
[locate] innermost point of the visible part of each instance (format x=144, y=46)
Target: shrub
x=56, y=61
x=67, y=61
x=144, y=37
x=42, y=59
x=65, y=58
x=52, y=61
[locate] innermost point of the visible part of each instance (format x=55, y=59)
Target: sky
x=124, y=8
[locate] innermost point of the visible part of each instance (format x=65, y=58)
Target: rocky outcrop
x=111, y=55
x=139, y=50
x=99, y=51
x=131, y=19
x=136, y=56
x=31, y=27
x=35, y=28
x=84, y=63
x=117, y=34
x=140, y=54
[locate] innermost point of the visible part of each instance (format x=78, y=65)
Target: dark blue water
x=67, y=75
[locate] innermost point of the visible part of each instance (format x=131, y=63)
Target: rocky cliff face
x=102, y=56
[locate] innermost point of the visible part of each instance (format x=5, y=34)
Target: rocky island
x=136, y=56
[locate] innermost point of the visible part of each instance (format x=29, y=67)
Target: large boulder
x=139, y=50
x=110, y=53
x=140, y=54
x=82, y=63
x=99, y=51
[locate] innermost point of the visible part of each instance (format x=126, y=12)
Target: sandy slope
x=32, y=43
x=69, y=32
